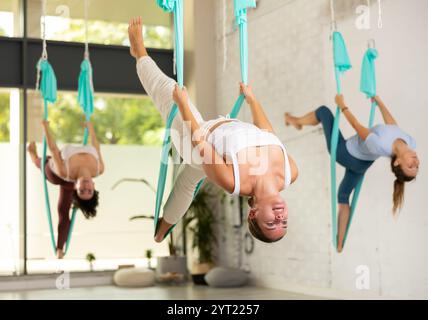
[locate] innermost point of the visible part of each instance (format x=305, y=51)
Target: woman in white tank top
x=77, y=164
x=242, y=158
x=245, y=159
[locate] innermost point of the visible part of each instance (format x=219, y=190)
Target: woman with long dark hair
x=72, y=169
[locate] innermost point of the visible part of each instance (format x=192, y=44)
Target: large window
x=130, y=130
x=9, y=18
x=128, y=126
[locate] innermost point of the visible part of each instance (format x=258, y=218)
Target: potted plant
x=170, y=267
x=149, y=256
x=200, y=221
x=90, y=257
x=173, y=265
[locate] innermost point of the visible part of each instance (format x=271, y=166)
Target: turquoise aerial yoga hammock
x=341, y=65
x=176, y=6
x=86, y=101
x=48, y=89
x=368, y=87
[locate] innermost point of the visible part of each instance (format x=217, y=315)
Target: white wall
x=291, y=70
x=9, y=208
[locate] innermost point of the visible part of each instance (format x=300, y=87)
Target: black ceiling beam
x=113, y=67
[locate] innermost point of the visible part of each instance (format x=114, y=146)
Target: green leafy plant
x=4, y=117
x=171, y=245
x=90, y=257
x=200, y=220
x=149, y=256
x=118, y=120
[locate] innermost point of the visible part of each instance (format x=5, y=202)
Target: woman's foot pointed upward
x=290, y=120
x=135, y=33
x=32, y=151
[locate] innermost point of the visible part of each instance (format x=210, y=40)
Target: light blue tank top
x=378, y=143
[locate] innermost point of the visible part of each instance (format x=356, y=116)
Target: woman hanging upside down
x=242, y=158
x=72, y=169
x=360, y=151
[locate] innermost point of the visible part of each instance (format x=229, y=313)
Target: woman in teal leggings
x=359, y=152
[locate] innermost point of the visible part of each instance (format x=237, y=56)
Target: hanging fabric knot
x=368, y=73
x=241, y=17
x=48, y=83
x=341, y=57
x=167, y=5
x=85, y=90
x=241, y=7
x=372, y=54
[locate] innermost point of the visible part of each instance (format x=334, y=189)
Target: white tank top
x=231, y=137
x=69, y=151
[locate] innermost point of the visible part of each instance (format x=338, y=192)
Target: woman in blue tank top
x=359, y=152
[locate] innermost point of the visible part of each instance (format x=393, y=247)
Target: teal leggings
x=355, y=168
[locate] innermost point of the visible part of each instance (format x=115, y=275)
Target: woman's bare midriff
x=272, y=151
x=82, y=160
x=218, y=124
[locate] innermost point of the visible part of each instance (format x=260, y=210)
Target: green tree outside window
x=4, y=117
x=118, y=121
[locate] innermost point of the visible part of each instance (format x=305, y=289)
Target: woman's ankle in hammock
x=162, y=229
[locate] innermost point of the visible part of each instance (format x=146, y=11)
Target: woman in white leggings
x=242, y=158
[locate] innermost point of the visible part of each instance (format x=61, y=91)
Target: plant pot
x=199, y=271
x=199, y=279
x=172, y=265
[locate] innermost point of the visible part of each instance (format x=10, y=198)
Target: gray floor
x=188, y=292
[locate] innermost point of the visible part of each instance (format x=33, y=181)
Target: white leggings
x=160, y=89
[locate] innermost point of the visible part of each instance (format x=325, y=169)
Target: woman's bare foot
x=32, y=151
x=162, y=229
x=60, y=254
x=135, y=33
x=290, y=120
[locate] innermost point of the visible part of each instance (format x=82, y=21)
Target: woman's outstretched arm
x=259, y=117
x=387, y=116
x=213, y=164
x=53, y=148
x=65, y=201
x=361, y=130
x=95, y=144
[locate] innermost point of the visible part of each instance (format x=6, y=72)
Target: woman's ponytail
x=399, y=185
x=398, y=196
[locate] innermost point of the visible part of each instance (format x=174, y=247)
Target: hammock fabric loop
x=47, y=84
x=167, y=5
x=367, y=86
x=176, y=6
